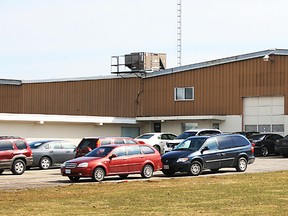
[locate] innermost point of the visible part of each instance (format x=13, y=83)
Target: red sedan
x=109, y=160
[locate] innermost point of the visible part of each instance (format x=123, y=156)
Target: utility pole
x=178, y=32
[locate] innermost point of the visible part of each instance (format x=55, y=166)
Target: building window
x=184, y=94
x=216, y=125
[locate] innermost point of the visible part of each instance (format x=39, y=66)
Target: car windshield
x=102, y=151
x=186, y=134
x=145, y=136
x=193, y=144
x=35, y=145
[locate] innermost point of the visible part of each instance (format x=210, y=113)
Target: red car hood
x=83, y=159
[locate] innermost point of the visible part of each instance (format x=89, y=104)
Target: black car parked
x=281, y=146
x=264, y=143
x=197, y=153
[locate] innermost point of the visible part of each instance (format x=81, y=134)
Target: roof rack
x=10, y=137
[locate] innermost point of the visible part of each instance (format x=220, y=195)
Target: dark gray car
x=47, y=153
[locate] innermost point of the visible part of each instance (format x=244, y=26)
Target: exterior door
x=118, y=164
x=136, y=159
x=211, y=157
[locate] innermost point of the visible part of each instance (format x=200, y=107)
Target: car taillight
x=253, y=144
x=252, y=149
x=141, y=142
x=98, y=143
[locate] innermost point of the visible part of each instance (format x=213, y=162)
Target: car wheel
x=147, y=171
x=241, y=164
x=98, y=174
x=1, y=171
x=214, y=170
x=195, y=168
x=74, y=178
x=168, y=172
x=157, y=148
x=18, y=167
x=264, y=151
x=44, y=163
x=123, y=176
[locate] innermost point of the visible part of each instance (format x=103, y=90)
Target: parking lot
x=35, y=178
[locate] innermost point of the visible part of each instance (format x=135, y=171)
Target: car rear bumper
x=251, y=160
x=29, y=161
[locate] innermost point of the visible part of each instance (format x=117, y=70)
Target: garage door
x=264, y=114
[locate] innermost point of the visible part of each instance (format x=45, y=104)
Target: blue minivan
x=198, y=153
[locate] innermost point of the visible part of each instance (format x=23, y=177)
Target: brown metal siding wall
x=10, y=99
x=218, y=89
x=111, y=97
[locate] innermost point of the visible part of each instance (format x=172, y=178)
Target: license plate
x=166, y=167
x=67, y=171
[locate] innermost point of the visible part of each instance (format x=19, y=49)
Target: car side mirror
x=112, y=156
x=204, y=149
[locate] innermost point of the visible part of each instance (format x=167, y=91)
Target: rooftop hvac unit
x=145, y=61
x=138, y=62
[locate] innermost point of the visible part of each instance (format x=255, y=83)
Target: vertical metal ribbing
x=178, y=32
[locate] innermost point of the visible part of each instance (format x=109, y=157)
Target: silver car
x=47, y=153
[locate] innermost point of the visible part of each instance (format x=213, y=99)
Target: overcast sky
x=48, y=39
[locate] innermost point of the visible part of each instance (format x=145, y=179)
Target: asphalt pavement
x=36, y=178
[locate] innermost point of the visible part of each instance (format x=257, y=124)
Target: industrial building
x=244, y=92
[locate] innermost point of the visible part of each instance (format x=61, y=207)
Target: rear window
x=118, y=141
x=240, y=141
x=20, y=144
x=208, y=133
x=129, y=141
x=145, y=136
x=5, y=146
x=87, y=143
x=186, y=135
x=147, y=150
x=106, y=141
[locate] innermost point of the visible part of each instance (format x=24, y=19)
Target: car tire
x=168, y=173
x=195, y=168
x=74, y=178
x=18, y=167
x=241, y=164
x=1, y=171
x=264, y=151
x=147, y=171
x=123, y=176
x=44, y=163
x=157, y=148
x=98, y=174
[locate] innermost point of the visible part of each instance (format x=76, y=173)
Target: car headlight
x=181, y=160
x=63, y=164
x=83, y=164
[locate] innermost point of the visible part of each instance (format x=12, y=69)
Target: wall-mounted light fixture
x=267, y=57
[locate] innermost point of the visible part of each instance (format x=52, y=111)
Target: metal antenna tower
x=178, y=32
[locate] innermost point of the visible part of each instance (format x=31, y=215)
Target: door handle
x=223, y=154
